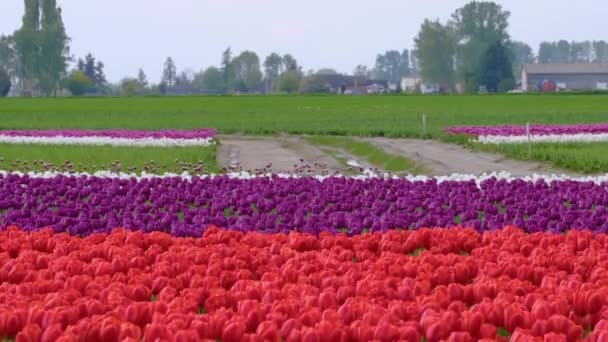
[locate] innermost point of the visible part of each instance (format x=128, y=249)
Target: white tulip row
x=602, y=179
x=93, y=140
x=553, y=138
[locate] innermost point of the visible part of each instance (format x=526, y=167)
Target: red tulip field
x=428, y=284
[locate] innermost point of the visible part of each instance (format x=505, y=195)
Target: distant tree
x=169, y=72
x=581, y=52
x=521, y=54
x=546, y=52
x=100, y=77
x=361, y=71
x=290, y=82
x=314, y=84
x=5, y=83
x=210, y=79
x=247, y=71
x=8, y=57
x=93, y=70
x=435, y=50
x=290, y=63
x=78, y=83
x=600, y=52
x=130, y=86
x=162, y=88
x=142, y=81
x=496, y=69
x=477, y=26
x=327, y=71
x=273, y=68
x=392, y=65
x=88, y=66
x=414, y=62
x=562, y=52
x=184, y=78
x=227, y=68
x=42, y=47
x=569, y=52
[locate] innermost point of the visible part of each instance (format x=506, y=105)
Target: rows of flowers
x=539, y=133
x=114, y=137
x=454, y=284
x=183, y=206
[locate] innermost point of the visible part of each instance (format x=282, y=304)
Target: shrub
x=78, y=83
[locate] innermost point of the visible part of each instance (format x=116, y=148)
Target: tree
x=8, y=58
x=88, y=66
x=415, y=64
x=42, y=46
x=27, y=45
x=580, y=52
x=142, y=80
x=290, y=63
x=496, y=69
x=184, y=78
x=361, y=71
x=600, y=52
x=521, y=54
x=314, y=84
x=435, y=50
x=290, y=82
x=546, y=52
x=247, y=71
x=129, y=86
x=210, y=79
x=562, y=52
x=5, y=83
x=392, y=65
x=273, y=68
x=227, y=68
x=169, y=72
x=477, y=26
x=93, y=69
x=327, y=71
x=100, y=76
x=78, y=83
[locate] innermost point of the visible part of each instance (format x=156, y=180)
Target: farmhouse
x=355, y=85
x=583, y=76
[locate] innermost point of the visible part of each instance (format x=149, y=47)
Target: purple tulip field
x=114, y=137
x=539, y=133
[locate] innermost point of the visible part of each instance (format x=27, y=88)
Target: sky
x=340, y=34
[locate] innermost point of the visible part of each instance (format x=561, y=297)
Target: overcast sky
x=129, y=34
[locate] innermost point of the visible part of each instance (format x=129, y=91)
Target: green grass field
x=588, y=158
x=395, y=116
x=317, y=115
x=93, y=158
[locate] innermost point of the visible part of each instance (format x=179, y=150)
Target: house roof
x=579, y=68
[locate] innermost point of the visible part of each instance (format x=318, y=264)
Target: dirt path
x=445, y=159
x=283, y=152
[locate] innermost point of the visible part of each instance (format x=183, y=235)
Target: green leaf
x=417, y=251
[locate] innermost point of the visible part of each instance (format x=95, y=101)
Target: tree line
x=474, y=49
x=471, y=50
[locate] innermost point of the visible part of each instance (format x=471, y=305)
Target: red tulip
x=29, y=333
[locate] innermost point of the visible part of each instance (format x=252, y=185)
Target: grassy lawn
x=93, y=158
x=588, y=158
x=372, y=154
x=394, y=116
x=316, y=115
